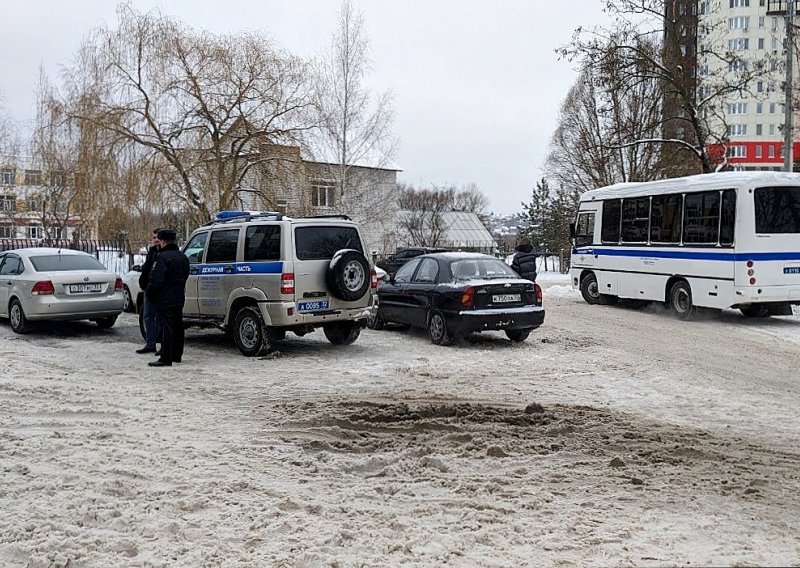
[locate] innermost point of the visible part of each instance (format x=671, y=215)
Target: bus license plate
x=791, y=269
x=83, y=288
x=312, y=306
x=504, y=298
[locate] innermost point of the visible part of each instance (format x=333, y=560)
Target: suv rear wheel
x=348, y=276
x=252, y=337
x=342, y=332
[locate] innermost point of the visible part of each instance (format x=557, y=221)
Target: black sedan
x=456, y=293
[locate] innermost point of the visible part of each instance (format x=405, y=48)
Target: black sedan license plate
x=312, y=306
x=83, y=288
x=505, y=298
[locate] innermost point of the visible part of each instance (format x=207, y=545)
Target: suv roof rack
x=345, y=217
x=238, y=216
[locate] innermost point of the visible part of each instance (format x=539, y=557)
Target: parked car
x=392, y=263
x=57, y=284
x=260, y=275
x=455, y=293
x=131, y=292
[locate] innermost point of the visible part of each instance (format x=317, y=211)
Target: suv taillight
x=538, y=291
x=373, y=279
x=43, y=288
x=287, y=283
x=468, y=297
x=118, y=285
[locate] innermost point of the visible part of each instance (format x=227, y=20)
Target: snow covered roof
x=721, y=180
x=463, y=229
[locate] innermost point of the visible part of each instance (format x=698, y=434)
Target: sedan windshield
x=61, y=262
x=481, y=268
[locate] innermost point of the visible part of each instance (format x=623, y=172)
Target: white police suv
x=259, y=275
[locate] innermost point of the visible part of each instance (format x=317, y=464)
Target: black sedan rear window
x=469, y=268
x=60, y=262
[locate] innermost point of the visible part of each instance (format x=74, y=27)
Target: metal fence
x=116, y=254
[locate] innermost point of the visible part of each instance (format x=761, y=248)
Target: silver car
x=39, y=284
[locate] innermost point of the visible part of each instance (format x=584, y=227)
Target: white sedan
x=130, y=289
x=39, y=284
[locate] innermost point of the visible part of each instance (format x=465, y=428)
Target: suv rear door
x=314, y=247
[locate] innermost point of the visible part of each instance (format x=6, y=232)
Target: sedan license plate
x=314, y=306
x=83, y=288
x=505, y=298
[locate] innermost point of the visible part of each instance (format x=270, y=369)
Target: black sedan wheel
x=437, y=329
x=375, y=320
x=518, y=335
x=16, y=315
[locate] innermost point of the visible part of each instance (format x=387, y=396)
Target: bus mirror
x=571, y=230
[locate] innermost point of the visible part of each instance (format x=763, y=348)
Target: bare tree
x=633, y=47
x=355, y=123
x=471, y=198
x=200, y=103
x=420, y=218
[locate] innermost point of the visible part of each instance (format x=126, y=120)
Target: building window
x=740, y=3
x=737, y=130
x=772, y=151
x=8, y=203
x=58, y=179
x=739, y=23
x=34, y=232
x=8, y=231
x=33, y=177
x=322, y=195
x=736, y=152
x=772, y=130
x=758, y=151
x=737, y=108
x=7, y=176
x=759, y=108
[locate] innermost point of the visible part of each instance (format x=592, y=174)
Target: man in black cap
x=167, y=292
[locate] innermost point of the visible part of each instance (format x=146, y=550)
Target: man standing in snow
x=148, y=310
x=524, y=261
x=167, y=291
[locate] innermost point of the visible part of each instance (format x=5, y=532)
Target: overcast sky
x=476, y=83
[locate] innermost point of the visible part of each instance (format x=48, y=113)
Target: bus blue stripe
x=693, y=255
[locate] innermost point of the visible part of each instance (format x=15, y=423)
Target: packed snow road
x=613, y=436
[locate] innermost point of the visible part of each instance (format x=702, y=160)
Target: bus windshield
x=777, y=209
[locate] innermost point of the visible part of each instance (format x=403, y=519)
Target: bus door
x=584, y=254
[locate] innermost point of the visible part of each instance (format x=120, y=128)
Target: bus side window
x=612, y=214
x=728, y=221
x=584, y=231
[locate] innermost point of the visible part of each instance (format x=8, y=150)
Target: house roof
x=463, y=229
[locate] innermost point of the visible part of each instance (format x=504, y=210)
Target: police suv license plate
x=315, y=306
x=505, y=298
x=83, y=288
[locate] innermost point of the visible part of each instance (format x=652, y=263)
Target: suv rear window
x=59, y=262
x=321, y=243
x=777, y=209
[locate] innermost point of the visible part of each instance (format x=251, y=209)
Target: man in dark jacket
x=167, y=291
x=148, y=310
x=524, y=261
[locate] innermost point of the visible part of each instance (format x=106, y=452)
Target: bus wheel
x=589, y=289
x=755, y=311
x=680, y=300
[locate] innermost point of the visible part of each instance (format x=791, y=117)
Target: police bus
x=722, y=240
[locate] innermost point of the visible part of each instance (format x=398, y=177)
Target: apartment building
x=719, y=40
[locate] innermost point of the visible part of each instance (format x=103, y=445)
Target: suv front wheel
x=342, y=332
x=252, y=337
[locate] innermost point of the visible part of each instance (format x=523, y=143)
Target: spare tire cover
x=348, y=275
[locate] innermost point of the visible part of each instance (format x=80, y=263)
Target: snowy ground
x=613, y=436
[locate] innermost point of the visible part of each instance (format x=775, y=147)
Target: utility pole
x=788, y=122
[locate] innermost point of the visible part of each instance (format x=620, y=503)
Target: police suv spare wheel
x=348, y=275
